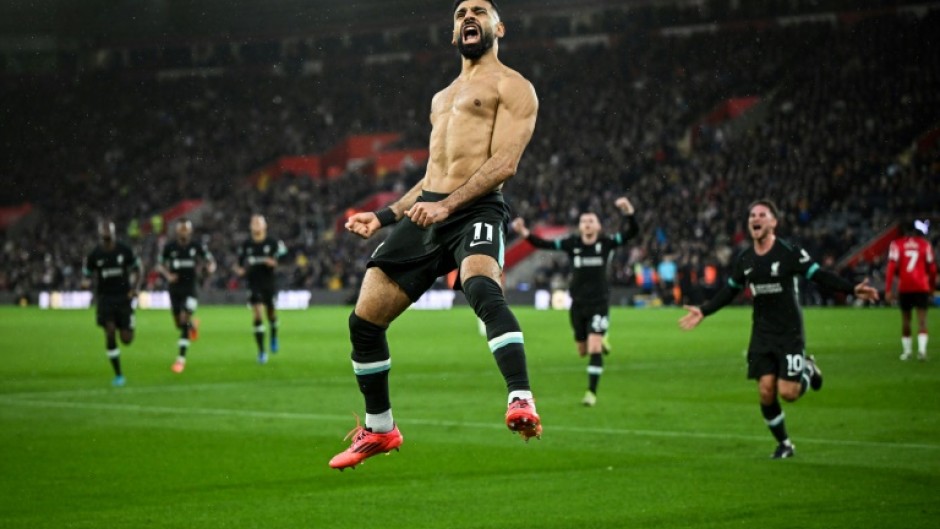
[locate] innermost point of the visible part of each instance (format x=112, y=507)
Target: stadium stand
x=840, y=131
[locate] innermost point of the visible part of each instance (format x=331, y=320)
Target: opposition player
x=454, y=217
x=911, y=258
x=117, y=274
x=178, y=265
x=589, y=254
x=776, y=357
x=258, y=257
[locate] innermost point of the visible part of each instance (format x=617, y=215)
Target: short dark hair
x=766, y=202
x=492, y=3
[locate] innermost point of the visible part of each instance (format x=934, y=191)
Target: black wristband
x=386, y=216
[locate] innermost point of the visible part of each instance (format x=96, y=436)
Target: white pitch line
x=312, y=381
x=437, y=423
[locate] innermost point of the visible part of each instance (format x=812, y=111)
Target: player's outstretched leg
x=594, y=370
x=507, y=345
x=114, y=357
x=365, y=444
x=774, y=417
x=371, y=363
x=180, y=364
x=259, y=341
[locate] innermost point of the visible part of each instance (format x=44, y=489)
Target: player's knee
x=768, y=394
x=486, y=298
x=368, y=340
x=789, y=390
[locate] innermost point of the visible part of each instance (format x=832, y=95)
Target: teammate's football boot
x=815, y=375
x=194, y=330
x=262, y=358
x=784, y=451
x=365, y=444
x=905, y=356
x=274, y=344
x=590, y=399
x=522, y=419
x=605, y=345
x=922, y=357
x=179, y=365
x=119, y=381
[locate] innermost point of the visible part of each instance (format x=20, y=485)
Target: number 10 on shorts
x=794, y=364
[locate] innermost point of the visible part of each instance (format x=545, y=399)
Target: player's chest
x=767, y=269
x=182, y=252
x=260, y=250
x=463, y=100
x=585, y=256
x=110, y=260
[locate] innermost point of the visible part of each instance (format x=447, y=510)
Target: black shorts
x=414, y=257
x=117, y=310
x=784, y=363
x=262, y=295
x=589, y=319
x=913, y=300
x=183, y=299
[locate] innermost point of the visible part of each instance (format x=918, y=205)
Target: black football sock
x=371, y=363
x=114, y=356
x=273, y=323
x=595, y=369
x=184, y=338
x=259, y=336
x=502, y=330
x=773, y=416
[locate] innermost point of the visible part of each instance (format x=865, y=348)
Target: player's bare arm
x=518, y=226
x=692, y=318
x=515, y=115
x=866, y=292
x=165, y=272
x=138, y=281
x=625, y=206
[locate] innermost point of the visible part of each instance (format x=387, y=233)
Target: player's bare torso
x=462, y=120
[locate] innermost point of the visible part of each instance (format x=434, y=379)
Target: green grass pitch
x=676, y=440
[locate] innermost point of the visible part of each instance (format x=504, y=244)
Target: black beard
x=477, y=50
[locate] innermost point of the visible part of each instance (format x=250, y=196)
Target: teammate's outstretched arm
x=866, y=292
x=137, y=272
x=862, y=291
x=625, y=206
x=211, y=264
x=695, y=315
x=518, y=226
x=692, y=318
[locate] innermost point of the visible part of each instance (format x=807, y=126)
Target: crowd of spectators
x=840, y=106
